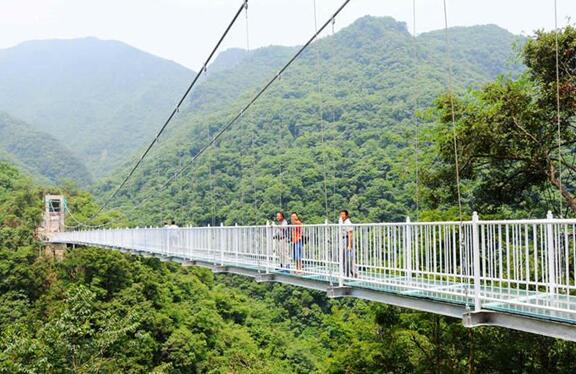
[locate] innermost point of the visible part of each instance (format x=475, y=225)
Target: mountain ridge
x=38, y=153
x=363, y=84
x=105, y=97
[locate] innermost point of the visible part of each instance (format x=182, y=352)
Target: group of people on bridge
x=290, y=240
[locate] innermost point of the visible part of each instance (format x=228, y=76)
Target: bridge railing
x=524, y=266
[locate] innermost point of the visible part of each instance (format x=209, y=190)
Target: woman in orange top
x=297, y=242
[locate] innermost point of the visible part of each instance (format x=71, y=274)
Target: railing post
x=210, y=245
x=268, y=245
x=550, y=249
x=327, y=253
x=408, y=249
x=237, y=243
x=222, y=243
x=341, y=255
x=167, y=233
x=476, y=255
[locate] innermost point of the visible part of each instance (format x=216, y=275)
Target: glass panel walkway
x=520, y=268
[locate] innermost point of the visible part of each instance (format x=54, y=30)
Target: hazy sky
x=185, y=30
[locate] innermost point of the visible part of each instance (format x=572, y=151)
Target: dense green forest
x=103, y=311
x=100, y=98
x=343, y=114
x=516, y=137
x=39, y=153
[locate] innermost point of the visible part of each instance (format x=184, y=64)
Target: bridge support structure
x=521, y=323
x=510, y=273
x=470, y=319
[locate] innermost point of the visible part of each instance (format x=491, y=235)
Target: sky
x=185, y=31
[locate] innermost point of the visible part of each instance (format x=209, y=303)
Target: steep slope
x=39, y=153
x=234, y=73
x=365, y=83
x=104, y=97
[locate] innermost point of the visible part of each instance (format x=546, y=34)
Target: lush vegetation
x=20, y=209
x=103, y=311
x=38, y=153
x=515, y=140
x=102, y=99
x=344, y=113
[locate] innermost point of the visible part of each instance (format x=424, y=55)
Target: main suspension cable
x=176, y=109
x=257, y=96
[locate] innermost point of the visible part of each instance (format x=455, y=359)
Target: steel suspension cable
x=415, y=116
x=466, y=258
x=253, y=173
x=246, y=126
x=211, y=181
x=558, y=120
x=176, y=109
x=321, y=117
x=257, y=96
x=452, y=111
x=280, y=167
x=79, y=224
x=241, y=165
x=334, y=167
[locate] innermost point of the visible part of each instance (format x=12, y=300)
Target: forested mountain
x=344, y=110
x=103, y=99
x=233, y=73
x=99, y=310
x=39, y=153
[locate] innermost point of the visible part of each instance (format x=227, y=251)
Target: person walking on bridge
x=172, y=236
x=281, y=237
x=347, y=243
x=297, y=239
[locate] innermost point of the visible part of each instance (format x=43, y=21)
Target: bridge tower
x=53, y=222
x=53, y=214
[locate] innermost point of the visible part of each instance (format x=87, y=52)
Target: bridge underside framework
x=514, y=274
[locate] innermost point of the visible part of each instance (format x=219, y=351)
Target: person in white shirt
x=281, y=237
x=347, y=244
x=171, y=225
x=172, y=236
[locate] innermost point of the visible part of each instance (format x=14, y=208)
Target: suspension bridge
x=515, y=274
x=518, y=274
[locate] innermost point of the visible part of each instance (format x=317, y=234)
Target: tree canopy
x=516, y=135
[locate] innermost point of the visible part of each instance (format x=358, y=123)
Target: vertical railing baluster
x=268, y=246
x=341, y=258
x=476, y=255
x=550, y=249
x=222, y=243
x=408, y=249
x=237, y=243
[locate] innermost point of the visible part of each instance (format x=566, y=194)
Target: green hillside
x=103, y=99
x=99, y=310
x=366, y=80
x=38, y=153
